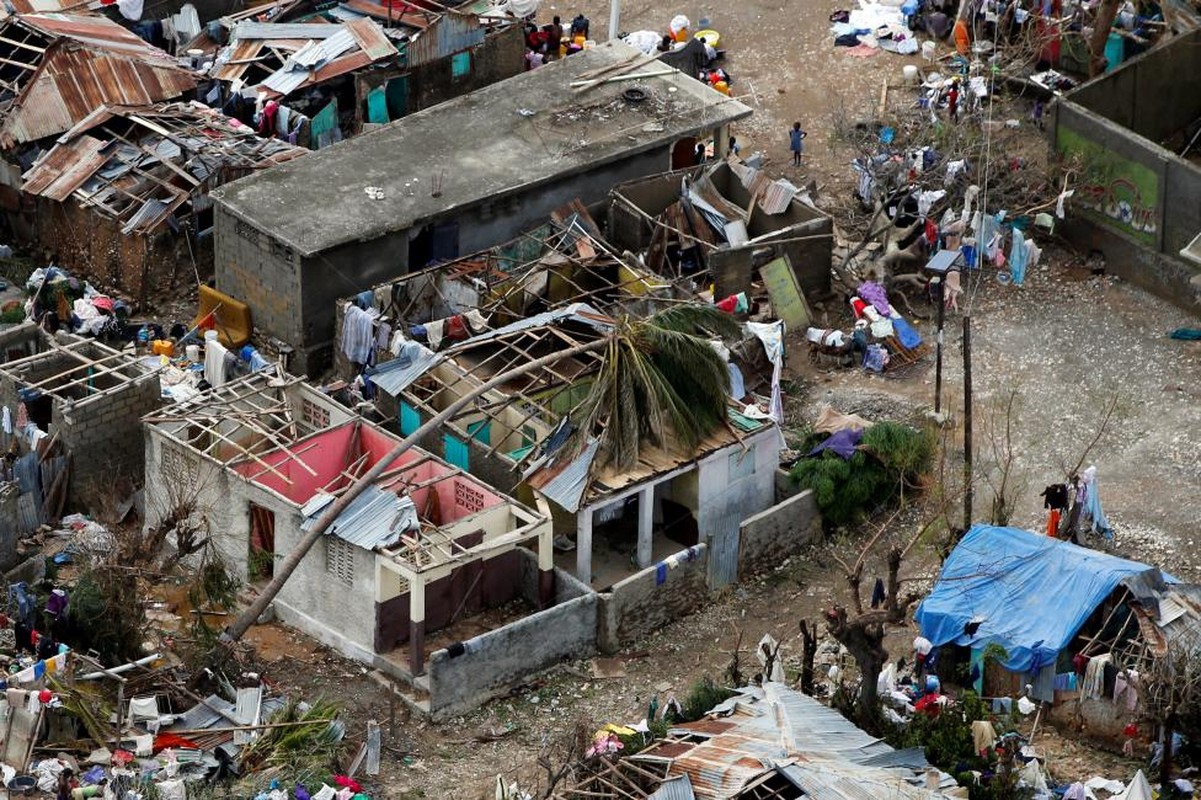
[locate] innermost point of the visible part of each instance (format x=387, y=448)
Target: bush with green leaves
x=890, y=459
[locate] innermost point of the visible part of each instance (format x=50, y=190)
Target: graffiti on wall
x=1115, y=191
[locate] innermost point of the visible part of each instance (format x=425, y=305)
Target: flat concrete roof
x=481, y=145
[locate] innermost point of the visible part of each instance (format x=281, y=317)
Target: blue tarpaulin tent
x=1029, y=593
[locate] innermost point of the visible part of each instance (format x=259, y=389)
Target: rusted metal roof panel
x=240, y=56
x=65, y=168
x=71, y=83
x=339, y=66
x=371, y=39
x=451, y=33
x=98, y=33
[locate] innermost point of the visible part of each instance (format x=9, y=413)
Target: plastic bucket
x=928, y=50
x=911, y=75
x=711, y=37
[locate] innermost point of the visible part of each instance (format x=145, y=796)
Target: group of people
x=546, y=43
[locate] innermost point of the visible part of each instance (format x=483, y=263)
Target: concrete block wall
x=652, y=598
x=104, y=436
x=766, y=539
x=494, y=661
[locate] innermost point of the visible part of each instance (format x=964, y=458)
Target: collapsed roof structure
x=42, y=57
x=282, y=58
x=266, y=457
x=144, y=165
x=767, y=743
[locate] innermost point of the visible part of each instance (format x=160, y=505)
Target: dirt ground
x=1067, y=344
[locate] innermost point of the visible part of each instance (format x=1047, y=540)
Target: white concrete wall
x=314, y=600
x=724, y=484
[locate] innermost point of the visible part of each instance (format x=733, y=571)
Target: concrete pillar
x=646, y=526
x=546, y=567
x=583, y=545
x=417, y=627
x=721, y=139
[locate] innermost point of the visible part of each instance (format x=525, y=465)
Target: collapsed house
x=57, y=69
x=1084, y=651
x=69, y=407
x=673, y=500
x=728, y=220
x=115, y=189
x=561, y=262
x=427, y=551
x=293, y=237
x=334, y=79
x=1133, y=135
x=767, y=743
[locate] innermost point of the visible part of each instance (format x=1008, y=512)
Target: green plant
x=702, y=697
x=106, y=615
x=891, y=458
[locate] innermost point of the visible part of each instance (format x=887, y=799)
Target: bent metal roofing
x=67, y=66
x=504, y=139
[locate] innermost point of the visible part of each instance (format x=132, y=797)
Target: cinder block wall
x=104, y=436
x=494, y=661
x=652, y=598
x=766, y=539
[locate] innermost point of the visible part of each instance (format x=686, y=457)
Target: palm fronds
x=661, y=382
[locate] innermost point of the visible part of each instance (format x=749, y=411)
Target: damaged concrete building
x=422, y=553
x=76, y=399
x=113, y=190
x=362, y=73
x=727, y=219
x=290, y=239
x=1133, y=135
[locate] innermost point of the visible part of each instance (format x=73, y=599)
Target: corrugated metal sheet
x=78, y=75
x=340, y=54
x=65, y=168
x=97, y=33
x=814, y=747
x=376, y=518
x=237, y=57
x=249, y=29
x=371, y=39
x=566, y=484
x=395, y=375
x=450, y=34
x=679, y=788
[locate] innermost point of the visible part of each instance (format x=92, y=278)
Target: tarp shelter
x=1029, y=593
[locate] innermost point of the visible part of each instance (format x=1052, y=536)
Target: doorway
x=261, y=561
x=683, y=154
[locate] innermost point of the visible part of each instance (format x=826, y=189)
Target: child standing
x=796, y=143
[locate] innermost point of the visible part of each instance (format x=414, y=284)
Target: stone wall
x=652, y=598
x=102, y=433
x=766, y=539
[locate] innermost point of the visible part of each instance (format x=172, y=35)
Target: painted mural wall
x=1115, y=191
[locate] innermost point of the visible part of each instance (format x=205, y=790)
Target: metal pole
x=614, y=19
x=967, y=422
x=942, y=308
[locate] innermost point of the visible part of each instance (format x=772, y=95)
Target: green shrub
x=703, y=696
x=891, y=457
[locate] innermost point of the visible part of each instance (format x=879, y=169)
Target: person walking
x=796, y=143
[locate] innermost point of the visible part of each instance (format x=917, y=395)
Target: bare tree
x=1005, y=480
x=861, y=631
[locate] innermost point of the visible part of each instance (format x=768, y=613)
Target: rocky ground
x=1068, y=344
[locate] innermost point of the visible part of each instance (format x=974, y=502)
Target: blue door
x=454, y=451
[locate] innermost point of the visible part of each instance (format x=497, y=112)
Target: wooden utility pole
x=942, y=310
x=967, y=421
